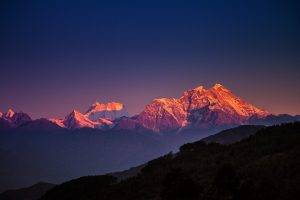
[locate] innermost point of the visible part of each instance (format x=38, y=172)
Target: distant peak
x=199, y=88
x=10, y=113
x=75, y=113
x=219, y=86
x=110, y=111
x=10, y=110
x=202, y=88
x=163, y=100
x=97, y=106
x=96, y=103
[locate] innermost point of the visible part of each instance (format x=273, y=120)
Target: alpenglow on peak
x=110, y=111
x=198, y=108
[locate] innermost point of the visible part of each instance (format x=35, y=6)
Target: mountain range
x=106, y=139
x=197, y=109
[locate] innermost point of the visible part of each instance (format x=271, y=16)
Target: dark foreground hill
x=232, y=135
x=30, y=193
x=264, y=166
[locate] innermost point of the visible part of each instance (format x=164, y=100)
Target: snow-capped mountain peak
x=99, y=115
x=199, y=88
x=15, y=119
x=9, y=114
x=198, y=107
x=219, y=98
x=97, y=106
x=109, y=111
x=58, y=122
x=219, y=86
x=75, y=113
x=161, y=114
x=77, y=120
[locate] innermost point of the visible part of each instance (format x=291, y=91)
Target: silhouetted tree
x=179, y=186
x=225, y=184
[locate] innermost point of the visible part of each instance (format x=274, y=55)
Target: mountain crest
x=77, y=120
x=99, y=115
x=218, y=85
x=199, y=88
x=106, y=106
x=109, y=111
x=15, y=119
x=9, y=113
x=75, y=113
x=198, y=107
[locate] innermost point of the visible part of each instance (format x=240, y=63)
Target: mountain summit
x=197, y=108
x=110, y=111
x=219, y=98
x=77, y=120
x=9, y=113
x=99, y=115
x=13, y=119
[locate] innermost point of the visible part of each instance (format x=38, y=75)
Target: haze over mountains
x=263, y=166
x=228, y=137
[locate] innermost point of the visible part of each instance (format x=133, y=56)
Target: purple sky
x=65, y=55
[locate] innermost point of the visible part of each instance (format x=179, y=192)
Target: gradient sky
x=59, y=55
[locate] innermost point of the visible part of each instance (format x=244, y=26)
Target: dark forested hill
x=234, y=134
x=30, y=193
x=264, y=166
